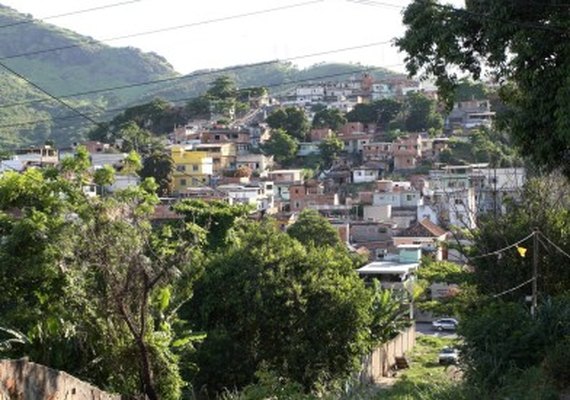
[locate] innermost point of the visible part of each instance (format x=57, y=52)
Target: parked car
x=448, y=355
x=449, y=324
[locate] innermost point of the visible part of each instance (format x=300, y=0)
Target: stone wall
x=24, y=380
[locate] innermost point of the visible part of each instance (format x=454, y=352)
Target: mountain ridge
x=84, y=65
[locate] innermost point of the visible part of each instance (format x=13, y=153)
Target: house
x=376, y=237
x=407, y=151
x=37, y=156
x=450, y=199
x=355, y=142
x=223, y=155
x=470, y=114
x=257, y=162
x=286, y=175
x=258, y=195
x=318, y=134
x=494, y=186
x=369, y=172
x=397, y=272
x=311, y=195
x=191, y=168
x=377, y=151
x=425, y=234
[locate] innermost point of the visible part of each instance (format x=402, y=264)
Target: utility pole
x=534, y=273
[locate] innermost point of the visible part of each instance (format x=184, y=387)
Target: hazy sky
x=306, y=29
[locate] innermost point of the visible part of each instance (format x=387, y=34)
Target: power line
x=195, y=97
x=376, y=4
x=514, y=288
x=553, y=244
x=549, y=28
x=70, y=13
x=496, y=252
x=203, y=73
x=162, y=30
x=66, y=105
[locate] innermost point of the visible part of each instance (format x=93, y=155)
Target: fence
x=380, y=362
x=20, y=379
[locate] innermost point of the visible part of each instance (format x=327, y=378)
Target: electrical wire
x=513, y=289
x=66, y=105
x=117, y=110
x=70, y=13
x=557, y=29
x=553, y=244
x=496, y=252
x=161, y=30
x=202, y=73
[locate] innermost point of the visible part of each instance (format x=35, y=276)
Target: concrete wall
x=383, y=358
x=21, y=379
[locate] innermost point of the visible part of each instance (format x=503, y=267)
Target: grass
x=425, y=379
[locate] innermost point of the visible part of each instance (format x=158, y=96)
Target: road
x=425, y=328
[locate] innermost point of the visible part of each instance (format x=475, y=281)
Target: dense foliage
x=524, y=45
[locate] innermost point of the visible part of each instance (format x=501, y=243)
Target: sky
x=276, y=29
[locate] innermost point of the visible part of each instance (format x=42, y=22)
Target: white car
x=448, y=355
x=449, y=324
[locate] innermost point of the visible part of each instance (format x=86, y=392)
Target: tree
x=198, y=108
x=380, y=112
x=160, y=166
x=331, y=118
x=223, y=88
x=89, y=279
x=268, y=301
x=525, y=51
x=281, y=146
x=312, y=228
x=330, y=148
x=544, y=204
x=420, y=114
x=292, y=120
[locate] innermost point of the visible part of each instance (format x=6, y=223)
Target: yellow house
x=223, y=155
x=191, y=168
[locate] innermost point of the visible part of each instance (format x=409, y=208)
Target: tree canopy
x=281, y=146
x=523, y=45
x=292, y=120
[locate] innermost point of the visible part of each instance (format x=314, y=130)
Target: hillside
x=82, y=65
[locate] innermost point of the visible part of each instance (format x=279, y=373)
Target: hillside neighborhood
x=268, y=230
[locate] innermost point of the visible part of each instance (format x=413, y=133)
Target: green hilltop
x=82, y=65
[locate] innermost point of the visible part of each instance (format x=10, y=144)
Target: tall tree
x=312, y=228
x=331, y=118
x=330, y=149
x=281, y=146
x=420, y=114
x=523, y=45
x=292, y=120
x=160, y=166
x=268, y=301
x=223, y=88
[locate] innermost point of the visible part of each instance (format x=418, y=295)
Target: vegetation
x=525, y=50
x=281, y=146
x=291, y=120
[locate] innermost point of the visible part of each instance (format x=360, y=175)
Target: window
x=195, y=168
x=297, y=204
x=217, y=137
x=182, y=182
x=458, y=201
x=180, y=168
x=409, y=197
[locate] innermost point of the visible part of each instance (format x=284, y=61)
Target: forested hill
x=83, y=65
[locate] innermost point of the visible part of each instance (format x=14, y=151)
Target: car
x=448, y=324
x=448, y=355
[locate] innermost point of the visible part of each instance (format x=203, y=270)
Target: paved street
x=425, y=328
